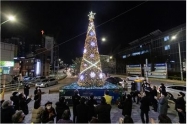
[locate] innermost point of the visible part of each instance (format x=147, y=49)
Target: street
x=115, y=112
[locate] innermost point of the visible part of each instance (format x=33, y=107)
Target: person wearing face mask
x=144, y=107
x=180, y=106
x=49, y=113
x=163, y=104
x=18, y=117
x=144, y=84
x=7, y=110
x=23, y=103
x=15, y=100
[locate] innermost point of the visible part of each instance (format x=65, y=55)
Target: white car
x=46, y=83
x=135, y=77
x=175, y=89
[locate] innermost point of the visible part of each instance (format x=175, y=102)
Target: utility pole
x=146, y=69
x=181, y=71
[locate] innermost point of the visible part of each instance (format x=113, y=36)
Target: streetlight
x=103, y=39
x=173, y=38
x=10, y=18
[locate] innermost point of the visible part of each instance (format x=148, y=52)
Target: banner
x=133, y=69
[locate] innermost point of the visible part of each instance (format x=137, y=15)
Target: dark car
x=112, y=80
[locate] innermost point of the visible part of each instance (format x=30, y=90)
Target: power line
x=95, y=27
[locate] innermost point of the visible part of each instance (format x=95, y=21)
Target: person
x=153, y=95
x=92, y=103
x=37, y=94
x=18, y=117
x=133, y=89
x=82, y=111
x=180, y=106
x=163, y=103
x=7, y=111
x=15, y=100
x=103, y=111
x=37, y=112
x=76, y=100
x=144, y=84
x=65, y=117
x=127, y=106
x=126, y=119
x=23, y=103
x=144, y=107
x=162, y=88
x=107, y=97
x=36, y=90
x=49, y=113
x=61, y=106
x=26, y=90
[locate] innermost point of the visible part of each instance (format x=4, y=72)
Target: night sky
x=67, y=19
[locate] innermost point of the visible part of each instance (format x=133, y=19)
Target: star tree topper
x=91, y=15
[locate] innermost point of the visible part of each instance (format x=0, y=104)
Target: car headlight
x=42, y=84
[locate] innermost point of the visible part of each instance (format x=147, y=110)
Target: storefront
x=6, y=67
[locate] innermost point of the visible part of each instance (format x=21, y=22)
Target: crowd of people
x=89, y=111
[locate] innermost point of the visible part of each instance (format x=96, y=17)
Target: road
x=115, y=112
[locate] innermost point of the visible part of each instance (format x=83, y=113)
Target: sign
x=133, y=69
x=6, y=63
x=160, y=70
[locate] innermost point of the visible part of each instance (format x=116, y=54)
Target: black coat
x=154, y=92
x=103, y=113
x=60, y=108
x=127, y=107
x=75, y=101
x=6, y=114
x=23, y=105
x=145, y=103
x=133, y=86
x=45, y=115
x=15, y=100
x=82, y=113
x=26, y=90
x=91, y=104
x=180, y=103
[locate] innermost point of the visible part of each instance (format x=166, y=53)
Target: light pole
x=179, y=49
x=10, y=18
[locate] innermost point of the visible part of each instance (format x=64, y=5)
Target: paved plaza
x=115, y=112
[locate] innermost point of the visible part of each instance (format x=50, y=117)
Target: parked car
x=120, y=81
x=175, y=89
x=112, y=80
x=135, y=77
x=46, y=83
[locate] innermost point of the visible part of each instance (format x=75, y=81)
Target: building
x=8, y=52
x=157, y=47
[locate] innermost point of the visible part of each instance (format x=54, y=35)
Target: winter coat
x=180, y=103
x=127, y=107
x=91, y=104
x=75, y=101
x=45, y=115
x=64, y=121
x=103, y=113
x=26, y=90
x=108, y=99
x=162, y=88
x=23, y=105
x=163, y=105
x=145, y=102
x=82, y=113
x=133, y=86
x=60, y=108
x=6, y=114
x=15, y=100
x=37, y=115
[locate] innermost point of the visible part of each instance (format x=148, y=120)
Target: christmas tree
x=90, y=69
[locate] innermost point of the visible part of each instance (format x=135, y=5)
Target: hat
x=48, y=103
x=6, y=104
x=181, y=93
x=14, y=93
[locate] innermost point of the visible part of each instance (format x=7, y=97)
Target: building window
x=124, y=56
x=166, y=38
x=167, y=47
x=136, y=53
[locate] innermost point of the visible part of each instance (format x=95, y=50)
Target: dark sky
x=66, y=19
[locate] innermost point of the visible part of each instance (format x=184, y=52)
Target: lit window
x=124, y=56
x=166, y=38
x=167, y=47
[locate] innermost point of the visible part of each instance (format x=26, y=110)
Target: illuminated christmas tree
x=90, y=69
